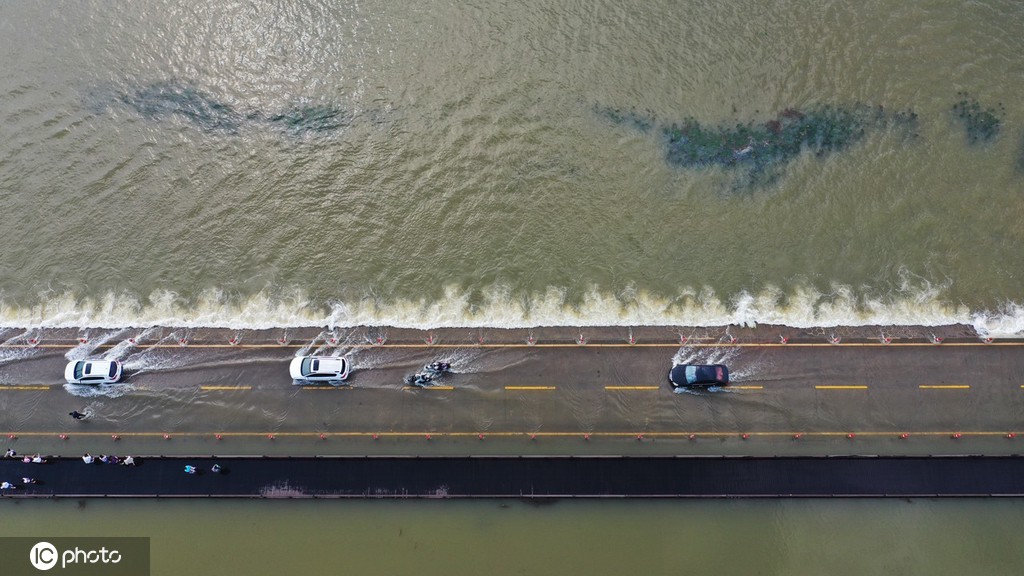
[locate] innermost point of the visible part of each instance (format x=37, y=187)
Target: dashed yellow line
x=530, y=387
x=944, y=386
x=748, y=387
x=2, y=388
x=854, y=387
x=632, y=387
x=225, y=387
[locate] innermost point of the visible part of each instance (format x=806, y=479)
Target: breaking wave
x=499, y=307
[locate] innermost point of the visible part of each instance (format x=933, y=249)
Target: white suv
x=319, y=368
x=92, y=372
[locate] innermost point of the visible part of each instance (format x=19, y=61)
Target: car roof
x=329, y=363
x=91, y=369
x=703, y=371
x=99, y=363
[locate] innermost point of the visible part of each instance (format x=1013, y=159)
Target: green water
x=789, y=537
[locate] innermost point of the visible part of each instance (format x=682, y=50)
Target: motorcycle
x=438, y=368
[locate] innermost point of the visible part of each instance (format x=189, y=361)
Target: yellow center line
x=748, y=387
x=24, y=388
x=944, y=386
x=225, y=387
x=428, y=388
x=529, y=387
x=632, y=387
x=855, y=387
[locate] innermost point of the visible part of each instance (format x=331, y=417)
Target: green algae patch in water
x=980, y=124
x=312, y=119
x=758, y=151
x=161, y=100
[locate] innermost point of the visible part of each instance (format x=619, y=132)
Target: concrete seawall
x=484, y=336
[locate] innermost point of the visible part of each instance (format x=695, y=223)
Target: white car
x=319, y=368
x=92, y=372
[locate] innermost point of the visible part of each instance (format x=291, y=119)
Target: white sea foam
x=701, y=355
x=15, y=354
x=92, y=343
x=499, y=307
x=102, y=390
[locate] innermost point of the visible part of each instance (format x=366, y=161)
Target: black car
x=684, y=375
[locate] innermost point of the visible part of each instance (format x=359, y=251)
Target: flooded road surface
x=504, y=396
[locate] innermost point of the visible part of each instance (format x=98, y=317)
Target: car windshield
x=113, y=369
x=691, y=374
x=79, y=368
x=306, y=366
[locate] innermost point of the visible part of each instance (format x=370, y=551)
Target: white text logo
x=43, y=556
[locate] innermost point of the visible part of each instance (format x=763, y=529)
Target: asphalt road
x=510, y=388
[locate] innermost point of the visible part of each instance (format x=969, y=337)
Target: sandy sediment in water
x=380, y=335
